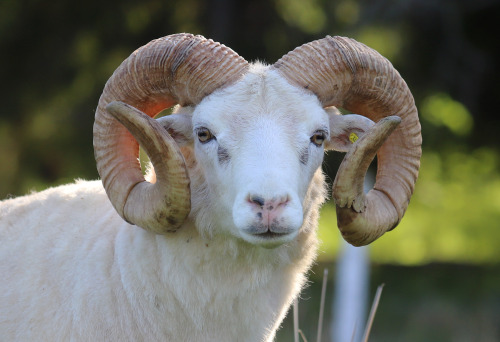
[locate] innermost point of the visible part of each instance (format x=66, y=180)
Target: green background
x=440, y=265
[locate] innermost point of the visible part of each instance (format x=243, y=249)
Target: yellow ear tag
x=353, y=137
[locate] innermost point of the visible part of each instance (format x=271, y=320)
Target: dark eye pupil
x=318, y=139
x=204, y=135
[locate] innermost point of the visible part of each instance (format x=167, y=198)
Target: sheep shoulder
x=55, y=245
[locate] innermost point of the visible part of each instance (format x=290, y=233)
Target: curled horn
x=348, y=74
x=177, y=69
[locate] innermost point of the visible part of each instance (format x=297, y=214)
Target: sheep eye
x=204, y=135
x=318, y=138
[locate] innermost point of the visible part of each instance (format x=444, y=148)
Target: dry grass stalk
x=373, y=310
x=299, y=334
x=322, y=305
x=296, y=320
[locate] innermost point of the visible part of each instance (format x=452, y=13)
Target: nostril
x=257, y=200
x=283, y=200
x=268, y=204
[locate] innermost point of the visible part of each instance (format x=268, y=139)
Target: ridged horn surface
x=348, y=74
x=177, y=69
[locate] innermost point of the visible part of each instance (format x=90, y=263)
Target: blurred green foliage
x=56, y=57
x=441, y=110
x=453, y=216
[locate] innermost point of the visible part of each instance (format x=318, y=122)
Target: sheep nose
x=268, y=210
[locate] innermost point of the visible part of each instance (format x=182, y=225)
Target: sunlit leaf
x=308, y=15
x=441, y=110
x=386, y=41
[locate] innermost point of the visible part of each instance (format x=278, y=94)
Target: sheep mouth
x=268, y=232
x=271, y=235
x=268, y=237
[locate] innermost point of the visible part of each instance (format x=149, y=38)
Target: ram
x=213, y=244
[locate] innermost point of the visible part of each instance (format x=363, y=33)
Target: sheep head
x=259, y=135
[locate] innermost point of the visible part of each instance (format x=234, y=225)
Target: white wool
x=89, y=276
x=73, y=270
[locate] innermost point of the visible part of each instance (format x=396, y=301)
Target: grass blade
x=296, y=320
x=376, y=300
x=302, y=335
x=322, y=305
x=353, y=333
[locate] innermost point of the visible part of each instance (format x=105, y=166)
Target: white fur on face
x=259, y=165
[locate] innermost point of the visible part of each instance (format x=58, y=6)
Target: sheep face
x=258, y=143
x=188, y=70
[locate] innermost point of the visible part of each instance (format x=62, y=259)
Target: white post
x=351, y=294
x=351, y=290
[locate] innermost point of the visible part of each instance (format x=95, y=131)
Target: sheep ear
x=345, y=129
x=179, y=126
